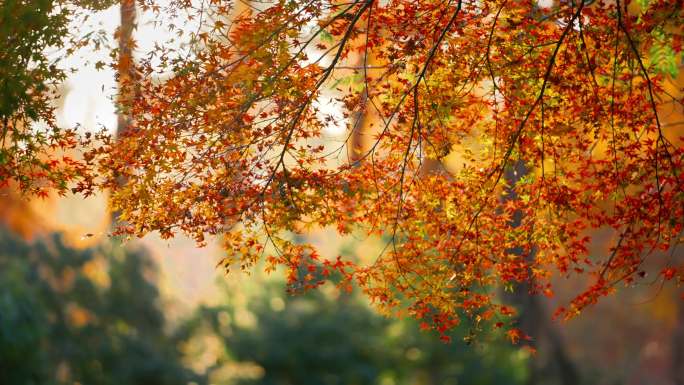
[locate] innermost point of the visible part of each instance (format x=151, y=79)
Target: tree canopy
x=485, y=142
x=34, y=37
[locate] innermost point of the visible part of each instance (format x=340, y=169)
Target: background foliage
x=94, y=316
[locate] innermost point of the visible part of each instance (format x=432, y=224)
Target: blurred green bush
x=71, y=316
x=324, y=337
x=93, y=316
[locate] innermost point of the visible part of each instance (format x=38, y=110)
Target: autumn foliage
x=543, y=123
x=36, y=154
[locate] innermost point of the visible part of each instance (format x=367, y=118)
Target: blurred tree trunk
x=552, y=365
x=362, y=121
x=359, y=142
x=125, y=76
x=126, y=69
x=678, y=346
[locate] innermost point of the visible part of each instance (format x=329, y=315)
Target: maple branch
x=319, y=83
x=662, y=140
x=420, y=77
x=538, y=99
x=522, y=124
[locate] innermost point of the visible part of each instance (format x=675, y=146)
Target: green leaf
x=643, y=4
x=662, y=56
x=326, y=37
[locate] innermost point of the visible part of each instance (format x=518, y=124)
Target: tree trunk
x=678, y=346
x=125, y=77
x=552, y=365
x=126, y=69
x=360, y=141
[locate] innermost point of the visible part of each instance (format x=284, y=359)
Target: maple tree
x=550, y=112
x=34, y=39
